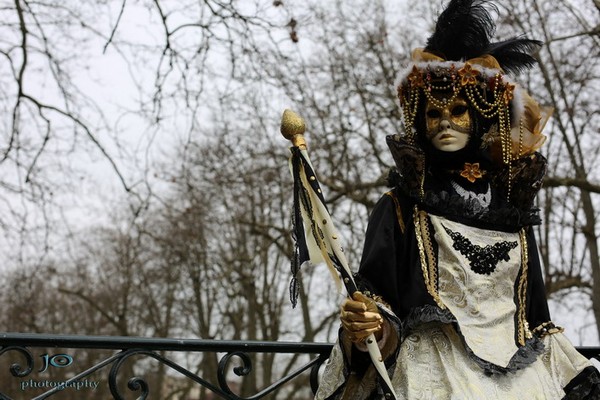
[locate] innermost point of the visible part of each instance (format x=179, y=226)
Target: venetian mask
x=448, y=122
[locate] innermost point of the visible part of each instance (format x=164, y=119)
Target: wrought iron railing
x=18, y=347
x=22, y=366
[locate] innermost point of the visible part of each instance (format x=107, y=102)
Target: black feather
x=464, y=30
x=515, y=55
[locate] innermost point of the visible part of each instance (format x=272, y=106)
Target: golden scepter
x=319, y=242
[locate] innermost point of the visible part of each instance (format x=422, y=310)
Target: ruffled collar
x=432, y=189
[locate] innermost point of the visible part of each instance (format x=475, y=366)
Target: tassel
x=309, y=213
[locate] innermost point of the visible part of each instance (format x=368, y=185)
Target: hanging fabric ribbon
x=311, y=241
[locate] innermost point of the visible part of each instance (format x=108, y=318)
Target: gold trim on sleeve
x=398, y=211
x=524, y=332
x=427, y=255
x=547, y=328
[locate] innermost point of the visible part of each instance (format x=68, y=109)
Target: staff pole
x=317, y=240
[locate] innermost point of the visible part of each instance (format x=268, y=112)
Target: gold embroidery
x=523, y=332
x=431, y=258
x=398, y=211
x=427, y=255
x=421, y=247
x=547, y=328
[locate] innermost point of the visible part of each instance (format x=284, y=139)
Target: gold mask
x=455, y=112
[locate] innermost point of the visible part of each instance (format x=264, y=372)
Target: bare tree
x=567, y=81
x=200, y=243
x=54, y=113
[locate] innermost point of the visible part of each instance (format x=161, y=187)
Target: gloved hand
x=360, y=317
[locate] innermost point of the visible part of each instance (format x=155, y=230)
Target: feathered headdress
x=460, y=58
x=465, y=30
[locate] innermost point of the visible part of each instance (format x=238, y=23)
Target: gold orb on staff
x=293, y=128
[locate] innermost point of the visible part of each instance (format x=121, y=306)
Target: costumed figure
x=450, y=279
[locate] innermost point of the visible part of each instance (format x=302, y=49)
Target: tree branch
x=88, y=132
x=557, y=283
x=114, y=30
x=592, y=32
x=583, y=184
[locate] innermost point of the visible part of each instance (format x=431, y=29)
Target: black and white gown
x=457, y=275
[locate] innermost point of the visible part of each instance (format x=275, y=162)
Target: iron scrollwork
x=16, y=369
x=140, y=384
x=128, y=347
x=246, y=368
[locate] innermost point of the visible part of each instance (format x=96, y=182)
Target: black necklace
x=482, y=260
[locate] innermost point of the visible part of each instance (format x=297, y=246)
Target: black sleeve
x=537, y=304
x=383, y=246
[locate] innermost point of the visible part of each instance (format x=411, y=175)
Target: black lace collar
x=440, y=198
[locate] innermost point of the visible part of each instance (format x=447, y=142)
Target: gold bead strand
x=486, y=113
x=505, y=139
x=520, y=153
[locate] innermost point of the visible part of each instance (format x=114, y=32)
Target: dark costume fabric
x=458, y=276
x=450, y=254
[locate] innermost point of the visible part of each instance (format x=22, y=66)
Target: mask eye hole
x=459, y=110
x=433, y=113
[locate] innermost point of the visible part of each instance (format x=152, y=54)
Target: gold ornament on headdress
x=487, y=91
x=468, y=75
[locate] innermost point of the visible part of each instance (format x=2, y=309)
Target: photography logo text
x=57, y=361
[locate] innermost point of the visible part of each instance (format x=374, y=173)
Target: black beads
x=482, y=259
